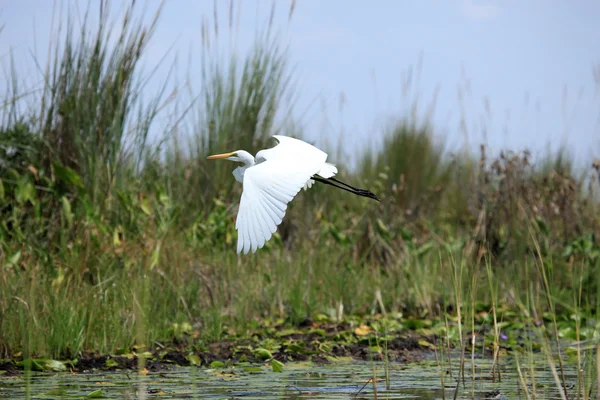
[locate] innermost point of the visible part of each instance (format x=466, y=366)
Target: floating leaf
x=276, y=365
x=56, y=392
x=31, y=364
x=110, y=363
x=42, y=365
x=193, y=360
x=217, y=364
x=263, y=354
x=96, y=394
x=54, y=365
x=253, y=369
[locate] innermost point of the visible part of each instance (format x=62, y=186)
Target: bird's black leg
x=342, y=183
x=366, y=192
x=348, y=188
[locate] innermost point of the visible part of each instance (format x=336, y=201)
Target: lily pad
x=96, y=394
x=263, y=354
x=217, y=364
x=276, y=365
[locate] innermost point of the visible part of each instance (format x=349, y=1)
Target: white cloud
x=480, y=9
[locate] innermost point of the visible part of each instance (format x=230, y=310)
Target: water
x=298, y=381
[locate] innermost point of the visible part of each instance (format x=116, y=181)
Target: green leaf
x=253, y=369
x=67, y=175
x=424, y=248
x=42, y=365
x=145, y=206
x=276, y=365
x=263, y=354
x=1, y=190
x=146, y=355
x=339, y=236
x=542, y=225
x=375, y=349
x=324, y=347
x=406, y=234
x=296, y=348
x=25, y=190
x=14, y=259
x=66, y=210
x=382, y=228
x=568, y=251
x=217, y=364
x=155, y=257
x=117, y=236
x=193, y=360
x=30, y=364
x=163, y=198
x=96, y=394
x=56, y=392
x=54, y=365
x=110, y=363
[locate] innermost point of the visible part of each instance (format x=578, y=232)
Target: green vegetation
x=112, y=241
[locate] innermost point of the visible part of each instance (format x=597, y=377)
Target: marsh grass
x=111, y=242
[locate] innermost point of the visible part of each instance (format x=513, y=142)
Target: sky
x=510, y=74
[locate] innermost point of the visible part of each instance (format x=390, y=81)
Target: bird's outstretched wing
x=269, y=186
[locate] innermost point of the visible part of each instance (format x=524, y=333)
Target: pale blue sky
x=525, y=57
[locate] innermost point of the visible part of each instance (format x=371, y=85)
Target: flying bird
x=271, y=180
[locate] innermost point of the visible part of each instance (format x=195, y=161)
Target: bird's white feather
x=328, y=171
x=271, y=184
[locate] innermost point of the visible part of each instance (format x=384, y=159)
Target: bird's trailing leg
x=344, y=186
x=348, y=186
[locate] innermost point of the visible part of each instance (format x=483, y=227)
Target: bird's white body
x=271, y=180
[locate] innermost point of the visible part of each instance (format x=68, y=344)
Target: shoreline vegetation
x=113, y=243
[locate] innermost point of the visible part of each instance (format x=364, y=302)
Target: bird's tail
x=327, y=171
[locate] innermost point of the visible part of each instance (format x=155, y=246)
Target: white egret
x=271, y=180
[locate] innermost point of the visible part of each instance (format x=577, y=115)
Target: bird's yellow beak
x=219, y=156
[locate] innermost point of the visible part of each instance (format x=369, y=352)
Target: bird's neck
x=238, y=173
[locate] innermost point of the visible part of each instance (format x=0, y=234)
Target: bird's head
x=233, y=156
x=237, y=156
